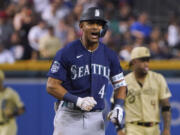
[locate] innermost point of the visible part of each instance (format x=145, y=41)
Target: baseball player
x=148, y=95
x=79, y=76
x=10, y=107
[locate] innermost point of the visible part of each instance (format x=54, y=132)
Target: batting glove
x=86, y=104
x=116, y=115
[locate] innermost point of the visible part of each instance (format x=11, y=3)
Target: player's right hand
x=86, y=104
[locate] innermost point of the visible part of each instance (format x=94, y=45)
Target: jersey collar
x=90, y=50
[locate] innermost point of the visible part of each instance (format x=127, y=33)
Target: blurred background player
x=148, y=96
x=49, y=44
x=10, y=107
x=79, y=76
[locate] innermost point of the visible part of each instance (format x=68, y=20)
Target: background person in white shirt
x=5, y=55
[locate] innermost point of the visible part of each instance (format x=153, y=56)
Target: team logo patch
x=97, y=13
x=55, y=67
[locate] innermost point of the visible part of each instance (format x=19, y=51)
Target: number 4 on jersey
x=101, y=92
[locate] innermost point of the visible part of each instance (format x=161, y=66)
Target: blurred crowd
x=36, y=29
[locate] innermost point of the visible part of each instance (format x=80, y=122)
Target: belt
x=71, y=105
x=2, y=123
x=145, y=124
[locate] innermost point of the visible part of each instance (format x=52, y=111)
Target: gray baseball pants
x=68, y=121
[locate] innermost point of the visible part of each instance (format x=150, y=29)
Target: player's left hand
x=120, y=132
x=166, y=132
x=116, y=115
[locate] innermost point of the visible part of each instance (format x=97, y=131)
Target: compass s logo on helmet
x=95, y=13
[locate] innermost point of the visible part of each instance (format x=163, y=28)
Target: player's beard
x=142, y=72
x=93, y=36
x=88, y=40
x=92, y=42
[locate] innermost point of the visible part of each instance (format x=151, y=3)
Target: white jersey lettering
x=93, y=67
x=86, y=70
x=73, y=72
x=78, y=72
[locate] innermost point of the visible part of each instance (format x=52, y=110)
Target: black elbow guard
x=166, y=108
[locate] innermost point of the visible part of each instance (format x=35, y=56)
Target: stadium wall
x=38, y=118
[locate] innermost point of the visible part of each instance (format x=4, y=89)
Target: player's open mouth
x=95, y=34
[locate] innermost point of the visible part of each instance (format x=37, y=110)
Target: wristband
x=166, y=108
x=69, y=97
x=119, y=102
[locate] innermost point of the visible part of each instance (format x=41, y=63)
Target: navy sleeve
x=58, y=68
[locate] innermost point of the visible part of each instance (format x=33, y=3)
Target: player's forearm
x=119, y=96
x=120, y=93
x=56, y=92
x=166, y=119
x=55, y=89
x=166, y=113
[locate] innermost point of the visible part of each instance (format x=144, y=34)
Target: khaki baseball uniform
x=9, y=127
x=142, y=103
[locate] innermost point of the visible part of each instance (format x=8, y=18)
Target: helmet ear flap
x=103, y=30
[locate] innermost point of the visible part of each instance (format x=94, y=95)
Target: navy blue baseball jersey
x=86, y=73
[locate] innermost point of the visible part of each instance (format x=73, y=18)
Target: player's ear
x=81, y=25
x=132, y=63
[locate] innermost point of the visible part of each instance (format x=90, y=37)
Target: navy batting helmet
x=95, y=13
